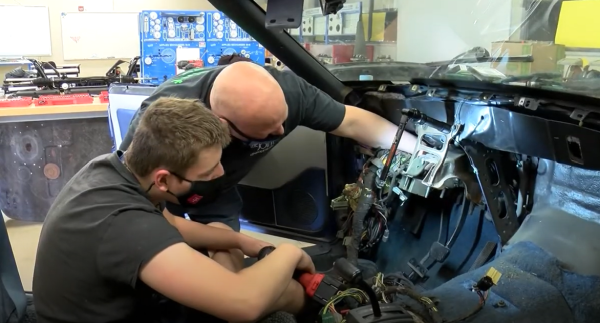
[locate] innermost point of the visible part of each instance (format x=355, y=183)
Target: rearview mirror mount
x=287, y=14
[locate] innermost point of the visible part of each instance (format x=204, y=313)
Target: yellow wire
x=379, y=283
x=428, y=301
x=355, y=293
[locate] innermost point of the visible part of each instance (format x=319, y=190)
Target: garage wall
x=427, y=29
x=97, y=67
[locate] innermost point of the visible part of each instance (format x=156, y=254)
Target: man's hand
x=306, y=264
x=251, y=246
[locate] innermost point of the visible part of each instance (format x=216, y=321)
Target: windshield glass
x=541, y=43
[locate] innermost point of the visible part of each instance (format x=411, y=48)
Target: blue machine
x=170, y=40
x=225, y=37
x=219, y=28
x=169, y=37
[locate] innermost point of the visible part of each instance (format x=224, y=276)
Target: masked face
x=251, y=141
x=199, y=190
x=200, y=182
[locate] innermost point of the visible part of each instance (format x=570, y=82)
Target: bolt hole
x=574, y=148
x=502, y=209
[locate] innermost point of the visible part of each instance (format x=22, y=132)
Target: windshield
x=538, y=43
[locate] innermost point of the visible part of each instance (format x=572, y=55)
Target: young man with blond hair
x=108, y=254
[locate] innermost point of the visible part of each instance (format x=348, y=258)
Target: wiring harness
x=351, y=296
x=397, y=290
x=367, y=203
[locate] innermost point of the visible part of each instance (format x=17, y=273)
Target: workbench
x=54, y=112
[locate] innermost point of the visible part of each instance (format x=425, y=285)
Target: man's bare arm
x=194, y=280
x=199, y=235
x=372, y=130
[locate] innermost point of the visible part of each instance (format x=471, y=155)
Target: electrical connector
x=494, y=275
x=491, y=278
x=386, y=235
x=327, y=317
x=347, y=241
x=330, y=317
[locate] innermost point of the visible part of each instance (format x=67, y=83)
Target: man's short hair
x=171, y=134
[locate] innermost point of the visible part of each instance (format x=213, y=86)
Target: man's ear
x=161, y=179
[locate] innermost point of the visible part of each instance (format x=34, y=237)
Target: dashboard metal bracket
x=528, y=103
x=579, y=115
x=499, y=198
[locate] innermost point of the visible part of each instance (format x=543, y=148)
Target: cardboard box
x=545, y=57
x=384, y=26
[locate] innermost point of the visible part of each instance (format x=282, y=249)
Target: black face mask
x=250, y=141
x=199, y=190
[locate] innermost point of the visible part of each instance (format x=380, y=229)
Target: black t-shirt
x=99, y=232
x=307, y=106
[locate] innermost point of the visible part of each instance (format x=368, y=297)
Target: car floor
x=24, y=237
x=394, y=255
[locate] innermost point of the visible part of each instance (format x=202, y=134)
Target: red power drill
x=319, y=287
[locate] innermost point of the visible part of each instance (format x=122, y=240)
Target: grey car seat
x=13, y=300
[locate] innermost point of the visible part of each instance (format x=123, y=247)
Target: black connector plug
x=484, y=284
x=491, y=278
x=353, y=276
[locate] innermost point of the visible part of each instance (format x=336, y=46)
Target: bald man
x=261, y=105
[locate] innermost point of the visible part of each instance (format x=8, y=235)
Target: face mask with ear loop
x=199, y=190
x=121, y=156
x=250, y=140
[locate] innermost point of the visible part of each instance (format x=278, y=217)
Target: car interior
x=493, y=218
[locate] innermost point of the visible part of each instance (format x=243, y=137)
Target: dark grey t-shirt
x=99, y=232
x=307, y=106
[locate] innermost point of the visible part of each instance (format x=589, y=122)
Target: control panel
x=173, y=41
x=222, y=29
x=173, y=26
